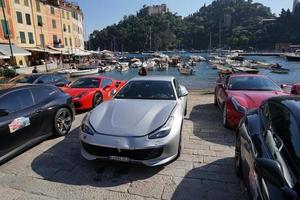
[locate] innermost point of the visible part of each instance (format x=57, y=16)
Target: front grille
x=136, y=154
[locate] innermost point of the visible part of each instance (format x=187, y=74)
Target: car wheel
x=62, y=122
x=225, y=118
x=237, y=158
x=97, y=99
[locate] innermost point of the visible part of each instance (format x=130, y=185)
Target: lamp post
x=8, y=34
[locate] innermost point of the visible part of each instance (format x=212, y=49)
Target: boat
x=149, y=65
x=280, y=71
x=186, y=69
x=163, y=67
x=245, y=70
x=293, y=56
x=75, y=73
x=225, y=69
x=262, y=64
x=123, y=67
x=136, y=64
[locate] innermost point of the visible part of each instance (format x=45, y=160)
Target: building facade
x=154, y=10
x=42, y=26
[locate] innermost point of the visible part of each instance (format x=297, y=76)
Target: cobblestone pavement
x=54, y=169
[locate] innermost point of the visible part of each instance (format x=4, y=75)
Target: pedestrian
x=34, y=71
x=143, y=71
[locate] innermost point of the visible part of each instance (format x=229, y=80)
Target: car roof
x=291, y=102
x=152, y=78
x=27, y=86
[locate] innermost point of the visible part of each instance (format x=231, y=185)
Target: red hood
x=76, y=91
x=253, y=99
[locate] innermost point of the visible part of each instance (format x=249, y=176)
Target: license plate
x=117, y=158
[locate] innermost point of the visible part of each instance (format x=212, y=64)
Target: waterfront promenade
x=54, y=169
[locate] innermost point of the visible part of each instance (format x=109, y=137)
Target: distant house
x=154, y=10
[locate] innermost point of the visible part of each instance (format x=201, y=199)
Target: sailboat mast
x=150, y=39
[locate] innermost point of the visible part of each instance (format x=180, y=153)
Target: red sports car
x=296, y=89
x=88, y=92
x=238, y=93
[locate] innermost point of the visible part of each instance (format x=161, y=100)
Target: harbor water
x=205, y=76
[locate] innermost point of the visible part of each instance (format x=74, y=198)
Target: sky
x=101, y=13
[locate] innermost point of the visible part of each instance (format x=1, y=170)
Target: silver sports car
x=141, y=124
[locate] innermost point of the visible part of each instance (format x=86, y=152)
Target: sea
x=205, y=77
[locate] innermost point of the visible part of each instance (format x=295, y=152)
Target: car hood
x=76, y=91
x=130, y=118
x=253, y=99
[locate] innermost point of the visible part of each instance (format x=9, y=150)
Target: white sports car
x=141, y=124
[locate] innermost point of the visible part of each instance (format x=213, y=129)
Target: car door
x=18, y=127
x=181, y=100
x=107, y=86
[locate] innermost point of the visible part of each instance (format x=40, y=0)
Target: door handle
x=38, y=111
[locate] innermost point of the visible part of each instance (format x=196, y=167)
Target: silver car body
x=121, y=128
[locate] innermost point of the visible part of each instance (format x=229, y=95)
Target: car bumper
x=82, y=104
x=150, y=152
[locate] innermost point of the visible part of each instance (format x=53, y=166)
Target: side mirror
x=113, y=92
x=183, y=91
x=270, y=170
x=283, y=86
x=3, y=112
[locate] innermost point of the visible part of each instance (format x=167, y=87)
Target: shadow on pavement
x=214, y=181
x=207, y=125
x=63, y=164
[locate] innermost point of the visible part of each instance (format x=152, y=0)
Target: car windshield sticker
x=18, y=124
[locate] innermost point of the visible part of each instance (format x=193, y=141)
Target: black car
x=30, y=114
x=42, y=78
x=267, y=155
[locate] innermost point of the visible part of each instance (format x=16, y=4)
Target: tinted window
x=58, y=78
x=287, y=128
x=17, y=100
x=45, y=79
x=177, y=88
x=147, y=90
x=252, y=83
x=86, y=83
x=42, y=94
x=27, y=79
x=106, y=82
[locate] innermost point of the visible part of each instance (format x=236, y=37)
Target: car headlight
x=163, y=131
x=85, y=127
x=79, y=96
x=238, y=107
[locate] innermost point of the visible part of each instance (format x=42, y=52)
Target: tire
x=237, y=157
x=97, y=99
x=62, y=122
x=225, y=119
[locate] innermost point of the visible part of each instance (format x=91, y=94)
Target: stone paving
x=54, y=169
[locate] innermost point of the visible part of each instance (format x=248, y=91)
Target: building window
x=17, y=1
x=52, y=10
x=5, y=28
x=40, y=20
x=28, y=20
x=69, y=28
x=71, y=42
x=66, y=41
x=42, y=39
x=53, y=23
x=68, y=15
x=26, y=2
x=55, y=39
x=38, y=6
x=19, y=17
x=22, y=37
x=64, y=27
x=63, y=14
x=30, y=38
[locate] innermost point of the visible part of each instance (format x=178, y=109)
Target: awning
x=37, y=49
x=63, y=51
x=17, y=51
x=79, y=52
x=2, y=56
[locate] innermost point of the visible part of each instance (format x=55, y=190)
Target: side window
x=16, y=100
x=57, y=78
x=45, y=79
x=177, y=88
x=106, y=82
x=265, y=114
x=42, y=94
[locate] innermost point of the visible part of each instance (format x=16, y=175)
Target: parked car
x=30, y=114
x=42, y=78
x=295, y=89
x=267, y=154
x=141, y=124
x=90, y=91
x=238, y=93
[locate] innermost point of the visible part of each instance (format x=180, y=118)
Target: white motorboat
x=136, y=64
x=75, y=73
x=149, y=65
x=186, y=70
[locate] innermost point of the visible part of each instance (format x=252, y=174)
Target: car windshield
x=162, y=90
x=86, y=83
x=259, y=83
x=27, y=79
